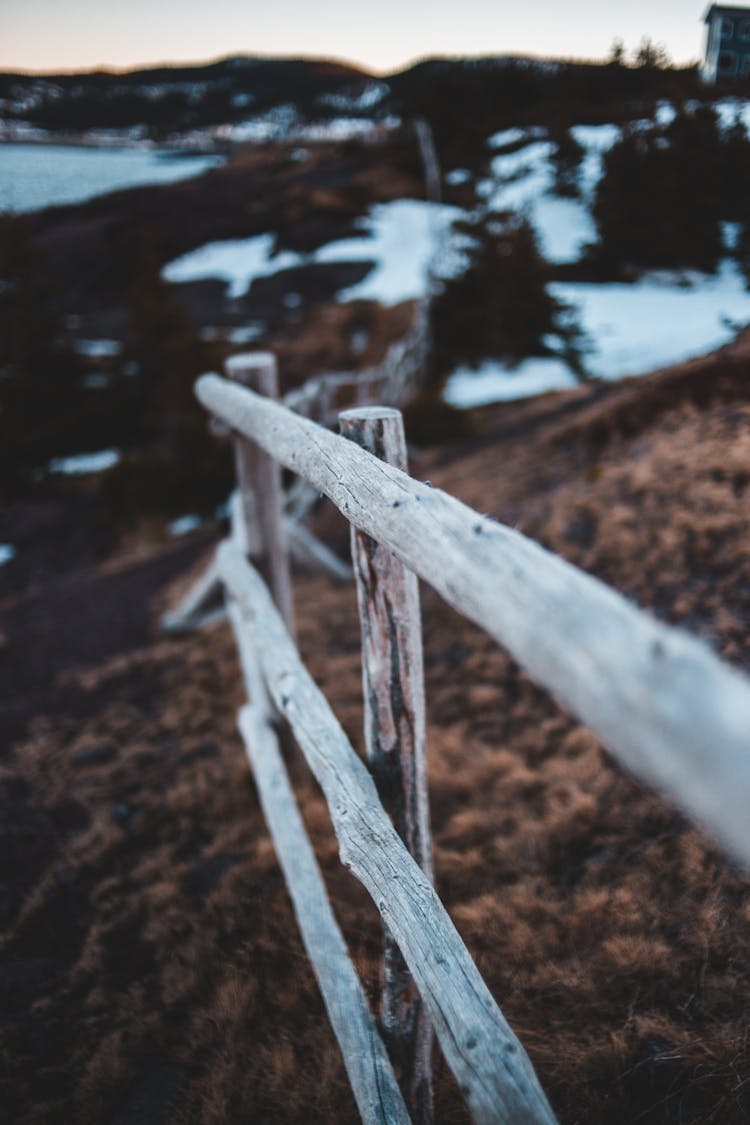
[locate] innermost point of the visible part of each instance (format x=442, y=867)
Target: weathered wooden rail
x=394, y=381
x=391, y=383
x=667, y=708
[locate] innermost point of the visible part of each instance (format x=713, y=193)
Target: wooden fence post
x=394, y=701
x=260, y=487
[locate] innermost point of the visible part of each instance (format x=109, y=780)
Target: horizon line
x=175, y=64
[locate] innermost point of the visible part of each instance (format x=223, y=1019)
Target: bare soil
x=151, y=968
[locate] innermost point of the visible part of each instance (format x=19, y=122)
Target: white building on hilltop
x=727, y=50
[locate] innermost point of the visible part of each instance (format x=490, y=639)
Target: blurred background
x=576, y=216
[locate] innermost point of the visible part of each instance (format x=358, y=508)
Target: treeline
x=666, y=191
x=460, y=98
x=55, y=402
x=164, y=100
x=501, y=306
x=466, y=101
x=673, y=195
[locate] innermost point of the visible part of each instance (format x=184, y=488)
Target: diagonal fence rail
x=667, y=708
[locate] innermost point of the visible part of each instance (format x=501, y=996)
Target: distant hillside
x=478, y=94
x=169, y=98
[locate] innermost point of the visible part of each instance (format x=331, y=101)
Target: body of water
x=33, y=176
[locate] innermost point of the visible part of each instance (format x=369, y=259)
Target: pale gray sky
x=379, y=35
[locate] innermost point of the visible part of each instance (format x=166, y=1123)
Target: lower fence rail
x=368, y=1067
x=489, y=1063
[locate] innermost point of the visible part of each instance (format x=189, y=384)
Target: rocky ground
x=151, y=969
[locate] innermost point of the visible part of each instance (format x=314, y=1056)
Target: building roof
x=718, y=9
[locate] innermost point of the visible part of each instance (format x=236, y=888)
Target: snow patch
x=656, y=322
x=243, y=334
x=282, y=123
x=184, y=525
x=564, y=227
x=457, y=176
x=81, y=463
x=730, y=110
x=524, y=181
x=631, y=330
x=341, y=129
x=506, y=137
x=97, y=349
x=401, y=238
x=235, y=261
x=665, y=114
x=497, y=382
x=33, y=176
x=596, y=140
x=349, y=101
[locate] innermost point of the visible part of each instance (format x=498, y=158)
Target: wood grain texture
x=664, y=704
x=490, y=1065
x=394, y=717
x=260, y=487
x=370, y=1073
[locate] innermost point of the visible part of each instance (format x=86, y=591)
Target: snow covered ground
x=399, y=238
x=236, y=261
x=98, y=349
x=657, y=321
x=80, y=464
x=33, y=176
x=523, y=181
x=632, y=329
x=496, y=382
x=184, y=525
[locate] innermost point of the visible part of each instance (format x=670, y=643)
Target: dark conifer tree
x=501, y=307
x=663, y=194
x=566, y=158
x=179, y=462
x=40, y=394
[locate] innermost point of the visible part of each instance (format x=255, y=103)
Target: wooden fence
x=393, y=382
x=665, y=706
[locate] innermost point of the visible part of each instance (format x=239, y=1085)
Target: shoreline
x=131, y=144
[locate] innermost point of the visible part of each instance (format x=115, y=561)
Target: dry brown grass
x=151, y=965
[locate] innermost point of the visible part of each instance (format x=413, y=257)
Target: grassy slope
x=151, y=968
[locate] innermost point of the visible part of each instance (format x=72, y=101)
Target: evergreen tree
x=662, y=195
x=164, y=355
x=40, y=392
x=176, y=463
x=734, y=172
x=652, y=56
x=566, y=159
x=501, y=307
x=617, y=52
